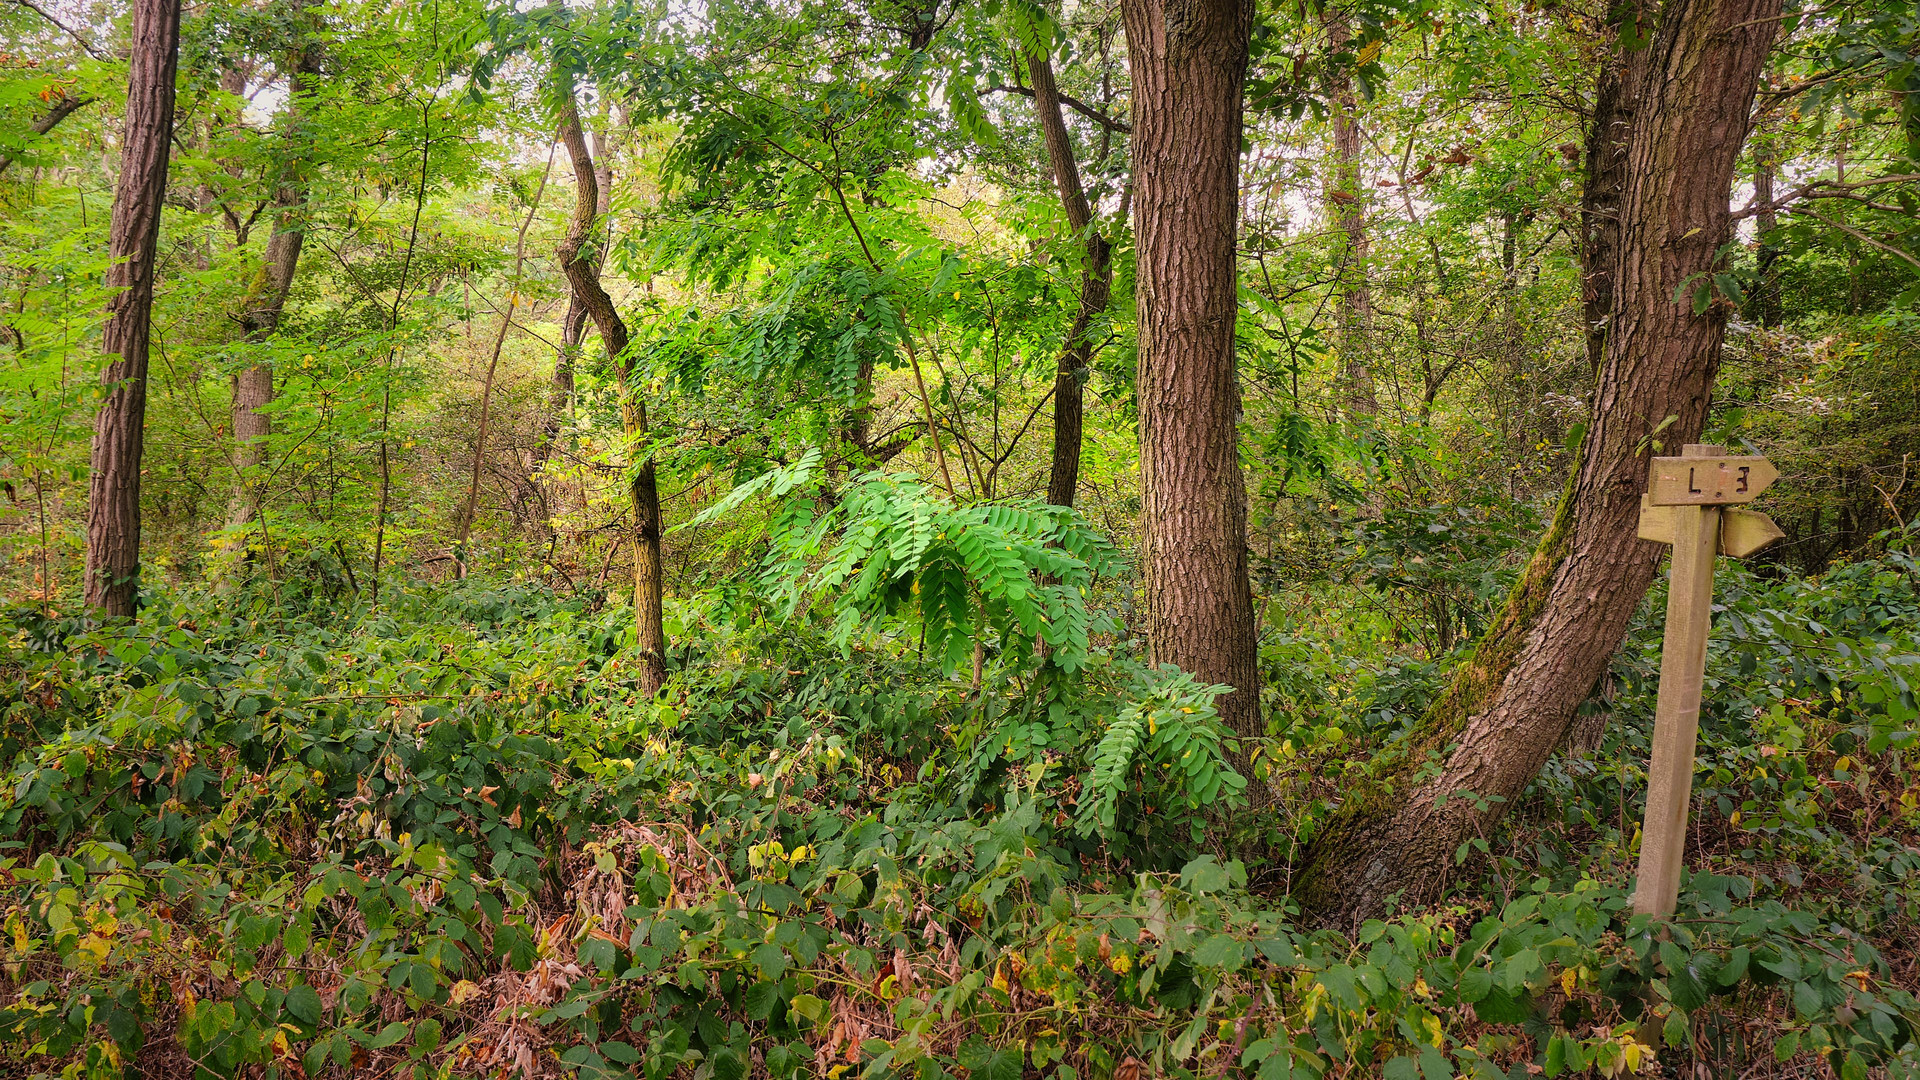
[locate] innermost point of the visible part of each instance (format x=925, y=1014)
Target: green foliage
x=361, y=851
x=1168, y=747
x=1015, y=576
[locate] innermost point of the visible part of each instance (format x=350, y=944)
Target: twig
x=1856, y=234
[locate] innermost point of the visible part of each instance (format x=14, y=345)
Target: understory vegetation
x=450, y=838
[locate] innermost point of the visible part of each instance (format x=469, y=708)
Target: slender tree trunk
x=1767, y=294
x=119, y=438
x=583, y=276
x=1096, y=286
x=1347, y=209
x=1508, y=707
x=266, y=298
x=573, y=326
x=464, y=529
x=1188, y=60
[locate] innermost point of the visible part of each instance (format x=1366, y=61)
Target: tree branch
x=63, y=27
x=60, y=111
x=1856, y=234
x=1075, y=104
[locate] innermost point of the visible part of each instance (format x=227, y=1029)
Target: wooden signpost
x=1688, y=504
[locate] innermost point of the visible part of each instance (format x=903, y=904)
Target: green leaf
x=1007, y=1064
x=1204, y=875
x=1220, y=951
x=426, y=1035
x=728, y=1065
x=303, y=1004
x=761, y=999
x=1475, y=984
x=1786, y=1046
x=298, y=936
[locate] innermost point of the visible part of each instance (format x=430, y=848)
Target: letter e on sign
x=1708, y=481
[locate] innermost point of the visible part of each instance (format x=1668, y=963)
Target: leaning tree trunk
x=1096, y=287
x=266, y=297
x=583, y=276
x=1507, y=707
x=573, y=327
x=1188, y=59
x=119, y=431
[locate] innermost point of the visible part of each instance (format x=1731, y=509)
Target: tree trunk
x=119, y=436
x=1096, y=287
x=1188, y=60
x=583, y=276
x=1609, y=132
x=464, y=528
x=573, y=326
x=1507, y=708
x=1347, y=209
x=1766, y=301
x=266, y=298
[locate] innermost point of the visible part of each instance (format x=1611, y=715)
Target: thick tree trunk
x=266, y=298
x=1508, y=706
x=1609, y=132
x=583, y=276
x=1096, y=287
x=1347, y=209
x=119, y=436
x=1188, y=60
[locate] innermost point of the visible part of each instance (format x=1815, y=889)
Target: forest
x=959, y=539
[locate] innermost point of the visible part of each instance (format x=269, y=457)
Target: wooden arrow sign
x=1742, y=532
x=1709, y=481
x=1685, y=506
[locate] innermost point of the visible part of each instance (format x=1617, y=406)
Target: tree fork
x=583, y=276
x=1507, y=708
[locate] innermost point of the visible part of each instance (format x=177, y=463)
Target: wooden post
x=1683, y=508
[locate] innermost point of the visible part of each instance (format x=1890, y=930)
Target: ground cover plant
x=953, y=539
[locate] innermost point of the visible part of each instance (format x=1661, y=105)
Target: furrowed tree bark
x=266, y=298
x=1096, y=287
x=1508, y=706
x=1347, y=208
x=583, y=276
x=59, y=111
x=119, y=438
x=1609, y=131
x=1188, y=60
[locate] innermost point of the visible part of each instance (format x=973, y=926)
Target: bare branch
x=1076, y=105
